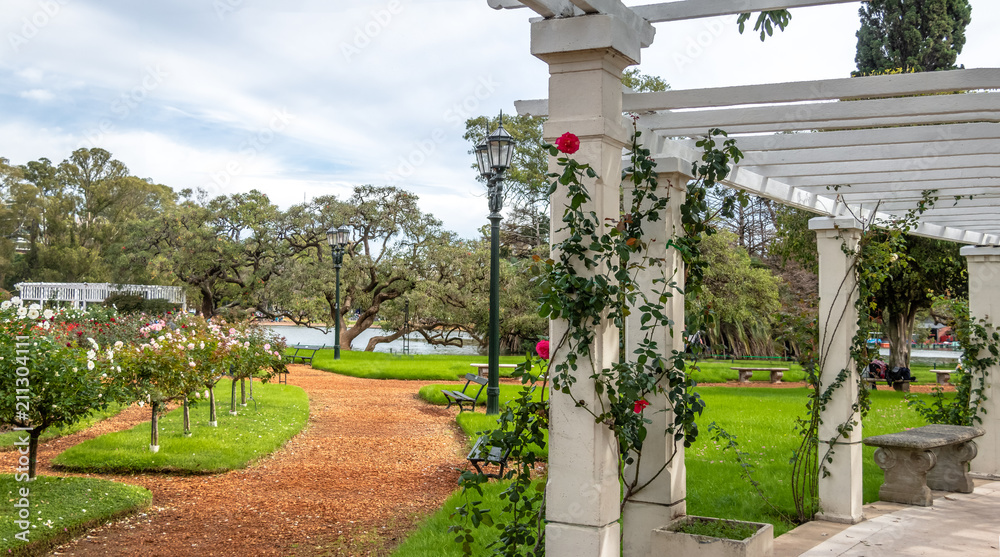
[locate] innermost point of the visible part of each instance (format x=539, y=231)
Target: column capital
x=988, y=253
x=557, y=40
x=834, y=223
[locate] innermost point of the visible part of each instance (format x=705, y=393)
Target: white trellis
x=843, y=149
x=79, y=294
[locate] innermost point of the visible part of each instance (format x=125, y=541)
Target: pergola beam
x=929, y=179
x=872, y=152
x=989, y=164
x=696, y=9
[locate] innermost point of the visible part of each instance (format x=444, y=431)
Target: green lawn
x=432, y=393
x=61, y=508
x=281, y=413
x=720, y=371
x=377, y=365
x=8, y=439
x=762, y=419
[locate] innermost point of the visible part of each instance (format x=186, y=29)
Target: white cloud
x=39, y=95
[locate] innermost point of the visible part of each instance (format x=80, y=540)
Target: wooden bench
x=304, y=352
x=918, y=460
x=901, y=386
x=943, y=375
x=496, y=456
x=484, y=369
x=745, y=373
x=462, y=397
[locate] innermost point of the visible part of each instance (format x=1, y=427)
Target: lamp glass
x=331, y=236
x=483, y=160
x=501, y=149
x=343, y=235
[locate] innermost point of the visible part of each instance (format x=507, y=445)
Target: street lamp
x=338, y=238
x=493, y=156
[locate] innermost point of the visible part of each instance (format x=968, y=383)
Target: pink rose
x=542, y=348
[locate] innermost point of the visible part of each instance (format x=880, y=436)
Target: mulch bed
x=372, y=461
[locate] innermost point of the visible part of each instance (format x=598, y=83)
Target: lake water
x=305, y=335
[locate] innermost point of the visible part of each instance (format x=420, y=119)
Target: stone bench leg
x=745, y=376
x=905, y=475
x=776, y=376
x=951, y=473
x=901, y=386
x=943, y=378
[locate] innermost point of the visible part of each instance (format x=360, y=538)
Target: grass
x=719, y=371
x=432, y=393
x=763, y=422
x=61, y=508
x=237, y=441
x=762, y=419
x=716, y=529
x=474, y=423
x=377, y=365
x=8, y=439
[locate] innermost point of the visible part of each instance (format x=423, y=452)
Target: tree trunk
x=243, y=392
x=154, y=435
x=212, y=419
x=232, y=399
x=34, y=434
x=187, y=417
x=899, y=329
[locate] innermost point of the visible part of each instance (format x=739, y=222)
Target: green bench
x=303, y=352
x=496, y=456
x=462, y=397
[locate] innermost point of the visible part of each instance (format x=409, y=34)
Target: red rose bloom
x=568, y=143
x=542, y=348
x=640, y=405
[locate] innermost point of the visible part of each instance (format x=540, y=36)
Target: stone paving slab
x=958, y=524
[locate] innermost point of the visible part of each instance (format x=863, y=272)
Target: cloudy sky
x=299, y=98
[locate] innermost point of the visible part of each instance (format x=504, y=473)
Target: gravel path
x=372, y=460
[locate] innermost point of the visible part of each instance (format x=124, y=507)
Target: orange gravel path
x=372, y=460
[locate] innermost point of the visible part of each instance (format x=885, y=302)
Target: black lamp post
x=493, y=156
x=338, y=238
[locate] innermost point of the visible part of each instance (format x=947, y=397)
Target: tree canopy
x=911, y=35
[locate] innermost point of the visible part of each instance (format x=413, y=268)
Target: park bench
x=921, y=459
x=901, y=386
x=462, y=397
x=304, y=352
x=496, y=456
x=484, y=369
x=745, y=373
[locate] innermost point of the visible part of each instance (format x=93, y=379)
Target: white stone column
x=840, y=492
x=586, y=56
x=984, y=303
x=662, y=499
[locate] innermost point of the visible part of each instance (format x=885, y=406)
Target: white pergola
x=846, y=149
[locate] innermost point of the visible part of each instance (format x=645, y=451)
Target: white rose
x=21, y=312
x=48, y=313
x=16, y=300
x=5, y=304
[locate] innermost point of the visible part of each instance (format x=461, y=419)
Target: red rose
x=640, y=405
x=542, y=348
x=568, y=143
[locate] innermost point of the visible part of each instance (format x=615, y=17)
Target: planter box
x=667, y=541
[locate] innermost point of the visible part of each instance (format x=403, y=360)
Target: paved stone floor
x=958, y=524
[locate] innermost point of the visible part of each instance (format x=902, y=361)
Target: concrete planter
x=667, y=541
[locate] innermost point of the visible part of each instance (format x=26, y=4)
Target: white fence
x=79, y=294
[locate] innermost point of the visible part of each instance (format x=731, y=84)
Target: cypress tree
x=914, y=35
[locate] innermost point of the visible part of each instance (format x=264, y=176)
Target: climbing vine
x=591, y=279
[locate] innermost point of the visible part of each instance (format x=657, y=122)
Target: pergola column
x=984, y=303
x=662, y=462
x=840, y=492
x=586, y=56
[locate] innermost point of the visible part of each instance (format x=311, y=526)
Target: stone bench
x=943, y=375
x=901, y=386
x=484, y=369
x=930, y=457
x=745, y=373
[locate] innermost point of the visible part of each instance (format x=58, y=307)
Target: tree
x=912, y=35
x=926, y=35
x=741, y=297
